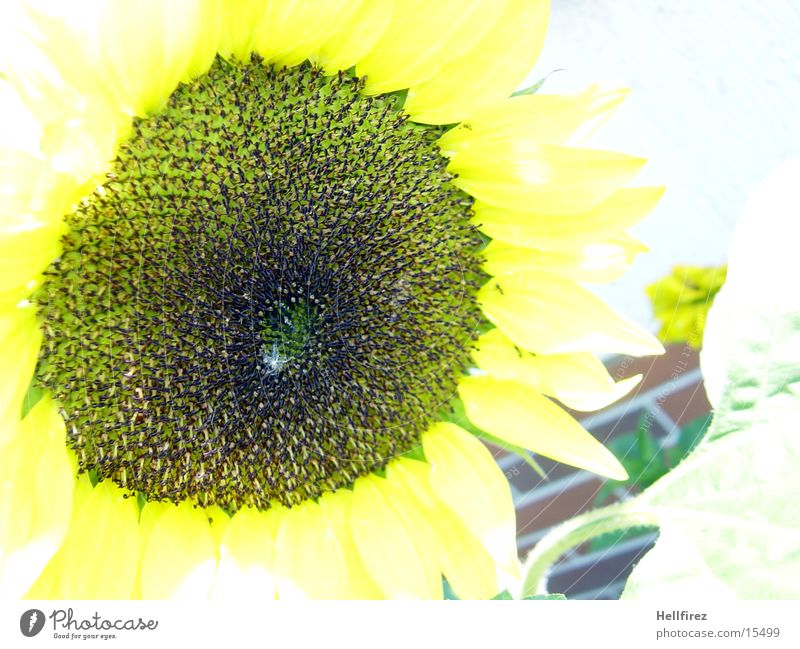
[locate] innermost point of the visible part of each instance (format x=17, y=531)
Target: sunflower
x=681, y=301
x=269, y=270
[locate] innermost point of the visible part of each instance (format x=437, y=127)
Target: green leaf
x=643, y=457
x=690, y=436
x=34, y=394
x=729, y=518
x=728, y=515
x=532, y=90
x=448, y=591
x=504, y=595
x=612, y=539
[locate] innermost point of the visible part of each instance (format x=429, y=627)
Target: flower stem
x=576, y=531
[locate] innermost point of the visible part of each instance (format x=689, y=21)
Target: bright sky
x=716, y=91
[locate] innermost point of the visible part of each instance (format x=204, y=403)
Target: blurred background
x=715, y=105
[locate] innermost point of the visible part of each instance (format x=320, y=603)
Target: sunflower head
x=266, y=266
x=269, y=298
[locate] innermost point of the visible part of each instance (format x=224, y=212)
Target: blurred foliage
x=646, y=460
x=727, y=517
x=644, y=456
x=449, y=594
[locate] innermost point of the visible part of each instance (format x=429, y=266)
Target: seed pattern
x=272, y=295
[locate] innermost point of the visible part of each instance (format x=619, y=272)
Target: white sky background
x=715, y=105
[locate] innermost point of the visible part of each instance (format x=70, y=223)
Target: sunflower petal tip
x=618, y=473
x=612, y=95
x=608, y=466
x=658, y=348
x=633, y=381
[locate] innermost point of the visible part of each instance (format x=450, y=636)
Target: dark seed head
x=272, y=296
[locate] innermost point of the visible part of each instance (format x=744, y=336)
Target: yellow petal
x=20, y=339
x=218, y=520
x=47, y=583
x=31, y=192
x=60, y=81
x=546, y=119
x=516, y=413
x=56, y=65
x=26, y=250
x=580, y=381
x=32, y=195
x=180, y=555
x=309, y=559
x=315, y=554
x=68, y=136
x=268, y=19
x=82, y=146
x=23, y=175
x=472, y=22
x=357, y=35
x=600, y=262
x=150, y=513
x=292, y=32
x=99, y=558
x=246, y=563
x=148, y=47
x=36, y=484
x=468, y=567
x=337, y=507
x=548, y=314
x=393, y=541
x=19, y=296
x=465, y=477
x=475, y=80
x=521, y=175
x=558, y=232
x=20, y=131
x=421, y=38
x=240, y=23
x=209, y=18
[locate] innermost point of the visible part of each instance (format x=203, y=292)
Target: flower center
x=272, y=295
